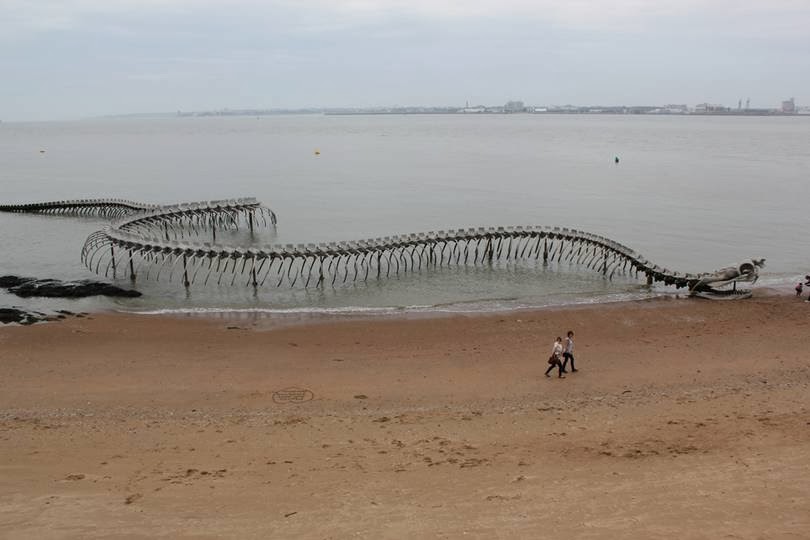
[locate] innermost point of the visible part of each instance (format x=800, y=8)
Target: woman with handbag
x=555, y=360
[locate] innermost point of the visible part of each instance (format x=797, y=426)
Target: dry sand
x=687, y=419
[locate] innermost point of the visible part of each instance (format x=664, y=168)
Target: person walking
x=554, y=360
x=569, y=353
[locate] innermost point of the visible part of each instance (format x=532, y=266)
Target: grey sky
x=77, y=58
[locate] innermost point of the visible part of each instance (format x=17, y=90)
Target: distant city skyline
x=87, y=58
x=786, y=107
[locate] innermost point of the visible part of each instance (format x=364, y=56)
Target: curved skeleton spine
x=151, y=235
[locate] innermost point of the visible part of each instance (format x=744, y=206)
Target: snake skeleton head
x=715, y=285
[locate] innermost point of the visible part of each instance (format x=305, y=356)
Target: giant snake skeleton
x=154, y=241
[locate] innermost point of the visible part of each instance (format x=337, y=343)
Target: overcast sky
x=77, y=58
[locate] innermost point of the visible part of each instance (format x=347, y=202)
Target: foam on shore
x=466, y=307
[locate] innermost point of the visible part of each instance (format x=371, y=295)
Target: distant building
x=789, y=106
x=665, y=110
x=514, y=107
x=709, y=108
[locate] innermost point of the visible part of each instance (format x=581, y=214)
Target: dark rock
x=26, y=287
x=14, y=315
x=13, y=281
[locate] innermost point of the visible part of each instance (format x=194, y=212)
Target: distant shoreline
x=259, y=114
x=564, y=113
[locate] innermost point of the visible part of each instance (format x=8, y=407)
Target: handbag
x=553, y=359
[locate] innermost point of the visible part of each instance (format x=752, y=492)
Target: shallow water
x=690, y=193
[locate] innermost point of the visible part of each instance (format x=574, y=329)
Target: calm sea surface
x=690, y=193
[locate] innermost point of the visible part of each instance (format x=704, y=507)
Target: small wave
x=775, y=280
x=460, y=308
x=272, y=311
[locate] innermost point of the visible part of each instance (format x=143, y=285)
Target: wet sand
x=687, y=419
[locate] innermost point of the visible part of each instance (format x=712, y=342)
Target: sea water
x=690, y=193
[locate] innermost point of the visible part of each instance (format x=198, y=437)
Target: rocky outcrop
x=14, y=315
x=20, y=316
x=27, y=287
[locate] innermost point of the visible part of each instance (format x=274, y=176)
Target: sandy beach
x=687, y=419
